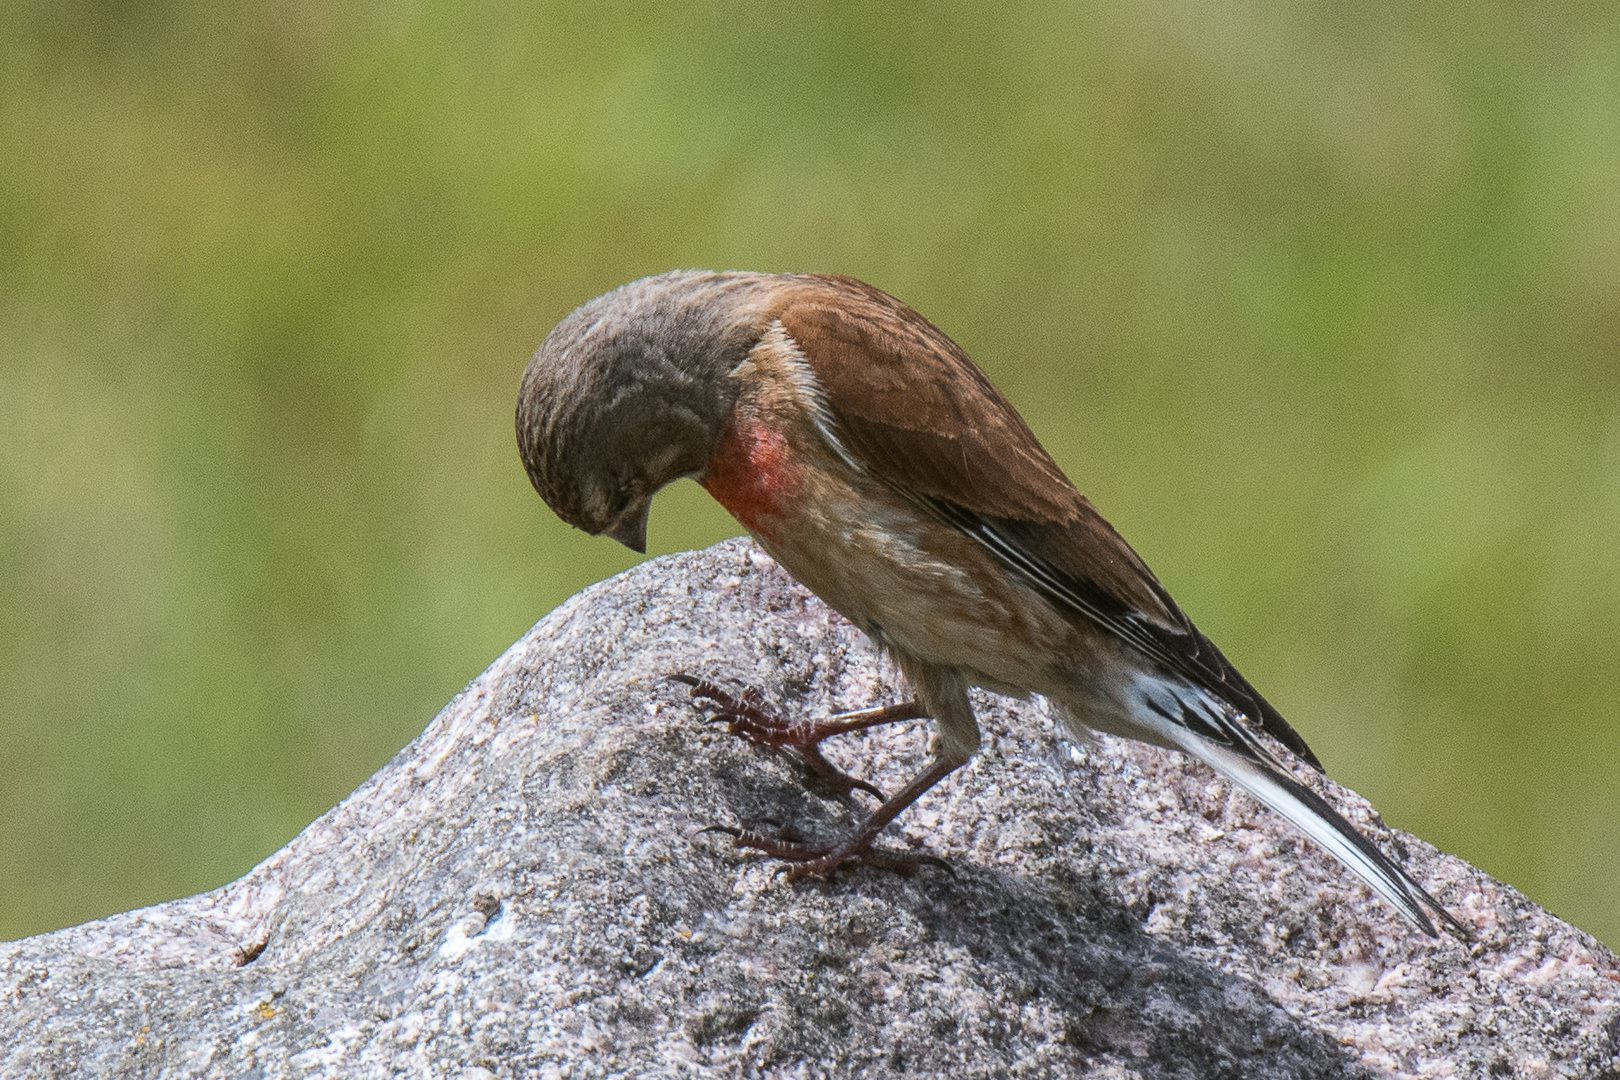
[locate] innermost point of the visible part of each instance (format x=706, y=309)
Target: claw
x=801, y=859
x=744, y=713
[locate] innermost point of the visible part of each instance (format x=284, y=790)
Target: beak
x=631, y=529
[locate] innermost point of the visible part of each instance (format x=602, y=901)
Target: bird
x=876, y=462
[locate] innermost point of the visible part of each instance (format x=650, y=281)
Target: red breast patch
x=752, y=474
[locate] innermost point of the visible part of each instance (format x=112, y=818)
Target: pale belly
x=920, y=589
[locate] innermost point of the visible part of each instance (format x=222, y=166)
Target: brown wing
x=917, y=407
x=918, y=411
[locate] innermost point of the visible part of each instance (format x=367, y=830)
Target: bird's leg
x=809, y=860
x=745, y=714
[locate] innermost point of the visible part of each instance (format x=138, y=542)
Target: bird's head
x=630, y=392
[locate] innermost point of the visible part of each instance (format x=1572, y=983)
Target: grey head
x=631, y=391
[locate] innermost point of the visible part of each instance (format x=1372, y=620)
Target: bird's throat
x=752, y=474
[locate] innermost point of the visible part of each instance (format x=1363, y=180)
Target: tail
x=1212, y=731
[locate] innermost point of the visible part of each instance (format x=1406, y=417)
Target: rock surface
x=526, y=891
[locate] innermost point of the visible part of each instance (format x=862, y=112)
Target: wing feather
x=913, y=407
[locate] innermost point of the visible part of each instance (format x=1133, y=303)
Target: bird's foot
x=818, y=860
x=745, y=713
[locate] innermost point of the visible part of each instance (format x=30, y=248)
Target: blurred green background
x=1320, y=304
